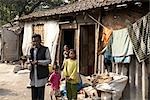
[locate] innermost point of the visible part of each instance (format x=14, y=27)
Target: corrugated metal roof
x=74, y=7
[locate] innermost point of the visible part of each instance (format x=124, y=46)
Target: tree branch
x=33, y=7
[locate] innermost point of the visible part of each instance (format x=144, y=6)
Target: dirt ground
x=13, y=86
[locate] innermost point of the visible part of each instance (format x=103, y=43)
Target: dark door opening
x=87, y=49
x=67, y=38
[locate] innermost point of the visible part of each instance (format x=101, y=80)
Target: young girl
x=54, y=80
x=70, y=73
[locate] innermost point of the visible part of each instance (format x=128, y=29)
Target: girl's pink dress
x=55, y=82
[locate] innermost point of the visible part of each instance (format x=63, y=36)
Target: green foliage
x=10, y=8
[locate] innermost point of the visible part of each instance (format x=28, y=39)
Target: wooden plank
x=113, y=67
x=96, y=45
x=91, y=48
x=144, y=81
x=58, y=48
x=99, y=64
x=124, y=69
x=148, y=75
x=102, y=64
x=77, y=44
x=117, y=69
x=126, y=92
x=69, y=26
x=138, y=80
x=132, y=67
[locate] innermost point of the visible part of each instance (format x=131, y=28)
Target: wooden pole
x=102, y=64
x=143, y=81
x=117, y=69
x=77, y=39
x=96, y=45
x=138, y=80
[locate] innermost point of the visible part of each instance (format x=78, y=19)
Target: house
x=80, y=25
x=11, y=39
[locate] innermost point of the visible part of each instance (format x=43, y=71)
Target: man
x=40, y=58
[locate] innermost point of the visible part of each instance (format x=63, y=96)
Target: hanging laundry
x=121, y=43
x=125, y=59
x=139, y=33
x=121, y=46
x=106, y=34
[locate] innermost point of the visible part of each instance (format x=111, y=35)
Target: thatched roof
x=81, y=5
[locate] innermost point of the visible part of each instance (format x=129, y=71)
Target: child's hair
x=66, y=46
x=74, y=51
x=55, y=66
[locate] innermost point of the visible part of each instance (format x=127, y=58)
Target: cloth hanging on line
x=139, y=33
x=121, y=43
x=125, y=59
x=121, y=46
x=51, y=37
x=27, y=39
x=106, y=35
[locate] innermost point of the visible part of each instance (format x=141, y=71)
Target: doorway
x=67, y=38
x=87, y=49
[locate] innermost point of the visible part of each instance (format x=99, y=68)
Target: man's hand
x=34, y=62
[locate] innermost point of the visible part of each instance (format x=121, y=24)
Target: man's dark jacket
x=42, y=71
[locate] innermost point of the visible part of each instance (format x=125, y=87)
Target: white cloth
x=51, y=36
x=27, y=38
x=121, y=43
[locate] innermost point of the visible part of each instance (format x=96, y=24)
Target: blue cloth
x=125, y=59
x=79, y=86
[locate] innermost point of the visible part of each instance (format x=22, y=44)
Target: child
x=70, y=74
x=23, y=60
x=54, y=80
x=65, y=54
